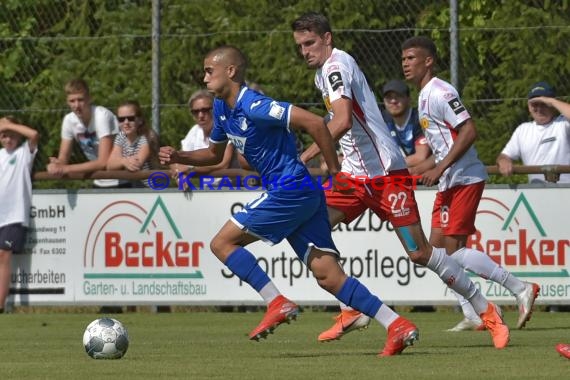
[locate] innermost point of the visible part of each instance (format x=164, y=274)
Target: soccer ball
x=106, y=338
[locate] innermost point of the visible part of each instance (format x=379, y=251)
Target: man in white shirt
x=543, y=141
x=92, y=127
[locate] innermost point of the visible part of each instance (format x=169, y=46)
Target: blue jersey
x=405, y=138
x=258, y=127
x=294, y=206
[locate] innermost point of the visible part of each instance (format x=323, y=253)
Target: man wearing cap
x=404, y=125
x=543, y=141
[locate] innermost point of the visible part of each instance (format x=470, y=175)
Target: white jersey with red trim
x=368, y=148
x=441, y=112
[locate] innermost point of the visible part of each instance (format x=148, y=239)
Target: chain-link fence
x=503, y=48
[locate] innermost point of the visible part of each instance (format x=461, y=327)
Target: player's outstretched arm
x=212, y=155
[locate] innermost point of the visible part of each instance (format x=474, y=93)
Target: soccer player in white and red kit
x=460, y=175
x=371, y=158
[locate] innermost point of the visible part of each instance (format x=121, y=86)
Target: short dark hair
x=312, y=22
x=421, y=42
x=232, y=55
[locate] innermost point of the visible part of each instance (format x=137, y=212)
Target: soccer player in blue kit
x=292, y=207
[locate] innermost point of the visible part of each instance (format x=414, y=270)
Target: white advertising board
x=153, y=248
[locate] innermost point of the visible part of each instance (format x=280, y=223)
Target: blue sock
x=243, y=264
x=357, y=296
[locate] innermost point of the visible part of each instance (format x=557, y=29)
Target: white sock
x=455, y=278
x=481, y=264
x=344, y=307
x=467, y=309
x=386, y=316
x=269, y=292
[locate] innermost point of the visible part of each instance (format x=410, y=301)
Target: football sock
x=481, y=264
x=344, y=307
x=356, y=295
x=243, y=264
x=455, y=278
x=386, y=316
x=269, y=292
x=467, y=309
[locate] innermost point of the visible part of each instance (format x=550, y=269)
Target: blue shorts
x=300, y=217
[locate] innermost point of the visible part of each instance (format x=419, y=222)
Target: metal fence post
x=156, y=66
x=453, y=43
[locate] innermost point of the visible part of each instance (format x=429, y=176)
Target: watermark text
x=194, y=182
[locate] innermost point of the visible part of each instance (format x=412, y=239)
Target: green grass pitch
x=214, y=345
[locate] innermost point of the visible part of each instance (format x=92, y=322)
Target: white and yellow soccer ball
x=106, y=338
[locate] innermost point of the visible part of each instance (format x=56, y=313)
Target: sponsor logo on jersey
x=335, y=80
x=239, y=142
x=255, y=104
x=456, y=106
x=424, y=122
x=276, y=111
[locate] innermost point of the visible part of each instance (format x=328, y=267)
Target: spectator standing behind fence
x=16, y=160
x=543, y=141
x=404, y=125
x=198, y=137
x=135, y=144
x=460, y=175
x=92, y=127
